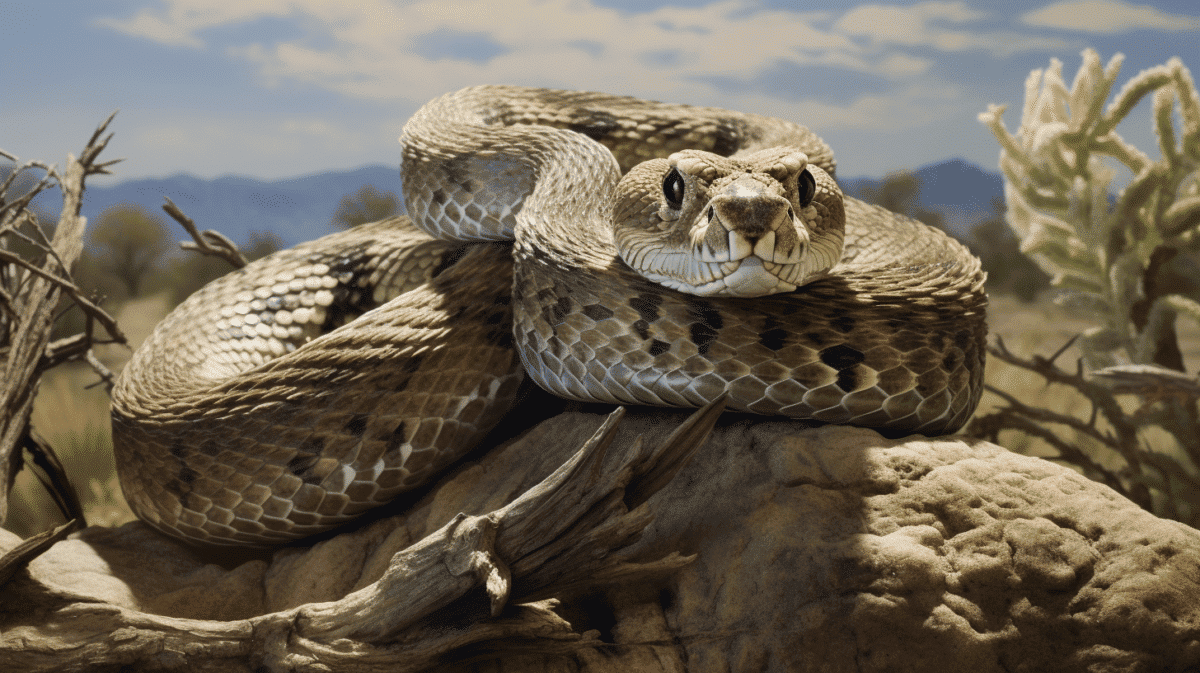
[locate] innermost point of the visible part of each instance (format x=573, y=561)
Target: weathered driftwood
x=558, y=537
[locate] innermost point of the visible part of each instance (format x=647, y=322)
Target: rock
x=828, y=549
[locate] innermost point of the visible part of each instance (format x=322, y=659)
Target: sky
x=281, y=88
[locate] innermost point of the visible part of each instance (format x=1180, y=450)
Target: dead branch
x=90, y=308
x=1099, y=395
x=18, y=557
x=1152, y=384
x=53, y=476
x=33, y=295
x=207, y=242
x=558, y=536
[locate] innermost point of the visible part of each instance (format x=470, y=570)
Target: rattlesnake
x=320, y=381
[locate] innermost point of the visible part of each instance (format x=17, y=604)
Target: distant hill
x=300, y=209
x=297, y=209
x=960, y=190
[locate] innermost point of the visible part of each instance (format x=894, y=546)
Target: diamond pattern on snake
x=611, y=249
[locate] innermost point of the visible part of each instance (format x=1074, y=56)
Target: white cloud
x=920, y=24
x=925, y=25
x=178, y=24
x=407, y=52
x=1107, y=16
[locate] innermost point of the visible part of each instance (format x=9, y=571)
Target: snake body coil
x=292, y=395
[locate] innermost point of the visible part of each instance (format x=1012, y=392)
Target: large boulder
x=830, y=549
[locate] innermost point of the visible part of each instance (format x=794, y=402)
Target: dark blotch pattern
x=449, y=259
x=849, y=379
x=357, y=425
x=646, y=304
x=595, y=124
x=844, y=323
x=727, y=139
x=597, y=312
x=396, y=440
x=304, y=461
x=816, y=338
x=772, y=336
x=658, y=347
x=181, y=485
x=951, y=361
x=410, y=367
x=841, y=357
x=560, y=309
x=457, y=170
x=555, y=312
x=642, y=328
x=963, y=339
x=209, y=447
x=706, y=325
x=352, y=271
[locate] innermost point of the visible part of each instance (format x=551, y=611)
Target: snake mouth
x=751, y=277
x=740, y=247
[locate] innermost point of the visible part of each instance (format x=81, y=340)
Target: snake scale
x=321, y=381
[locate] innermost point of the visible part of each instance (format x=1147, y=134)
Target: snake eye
x=807, y=187
x=673, y=188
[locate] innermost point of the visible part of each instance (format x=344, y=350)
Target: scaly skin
x=289, y=397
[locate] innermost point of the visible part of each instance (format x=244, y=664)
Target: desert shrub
x=1121, y=261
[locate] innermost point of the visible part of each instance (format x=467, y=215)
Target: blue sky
x=280, y=88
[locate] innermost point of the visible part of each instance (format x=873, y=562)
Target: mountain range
x=299, y=209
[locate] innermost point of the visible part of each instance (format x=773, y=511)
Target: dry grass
x=74, y=419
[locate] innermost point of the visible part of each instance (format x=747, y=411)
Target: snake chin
x=748, y=277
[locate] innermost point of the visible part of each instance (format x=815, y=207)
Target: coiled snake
x=294, y=394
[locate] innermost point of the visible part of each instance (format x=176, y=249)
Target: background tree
x=900, y=193
x=366, y=205
x=128, y=245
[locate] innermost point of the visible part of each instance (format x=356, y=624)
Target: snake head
x=710, y=225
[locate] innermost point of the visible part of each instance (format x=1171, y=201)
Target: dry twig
x=207, y=242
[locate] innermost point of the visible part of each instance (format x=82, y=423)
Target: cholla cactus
x=1109, y=258
x=1059, y=170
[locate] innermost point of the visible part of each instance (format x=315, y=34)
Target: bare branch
x=107, y=377
x=86, y=305
x=1099, y=395
x=1047, y=416
x=53, y=476
x=32, y=296
x=207, y=242
x=18, y=557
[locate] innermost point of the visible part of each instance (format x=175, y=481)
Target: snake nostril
x=711, y=213
x=791, y=215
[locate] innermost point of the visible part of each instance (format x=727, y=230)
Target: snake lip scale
x=608, y=248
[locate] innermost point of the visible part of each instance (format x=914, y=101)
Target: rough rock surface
x=828, y=549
